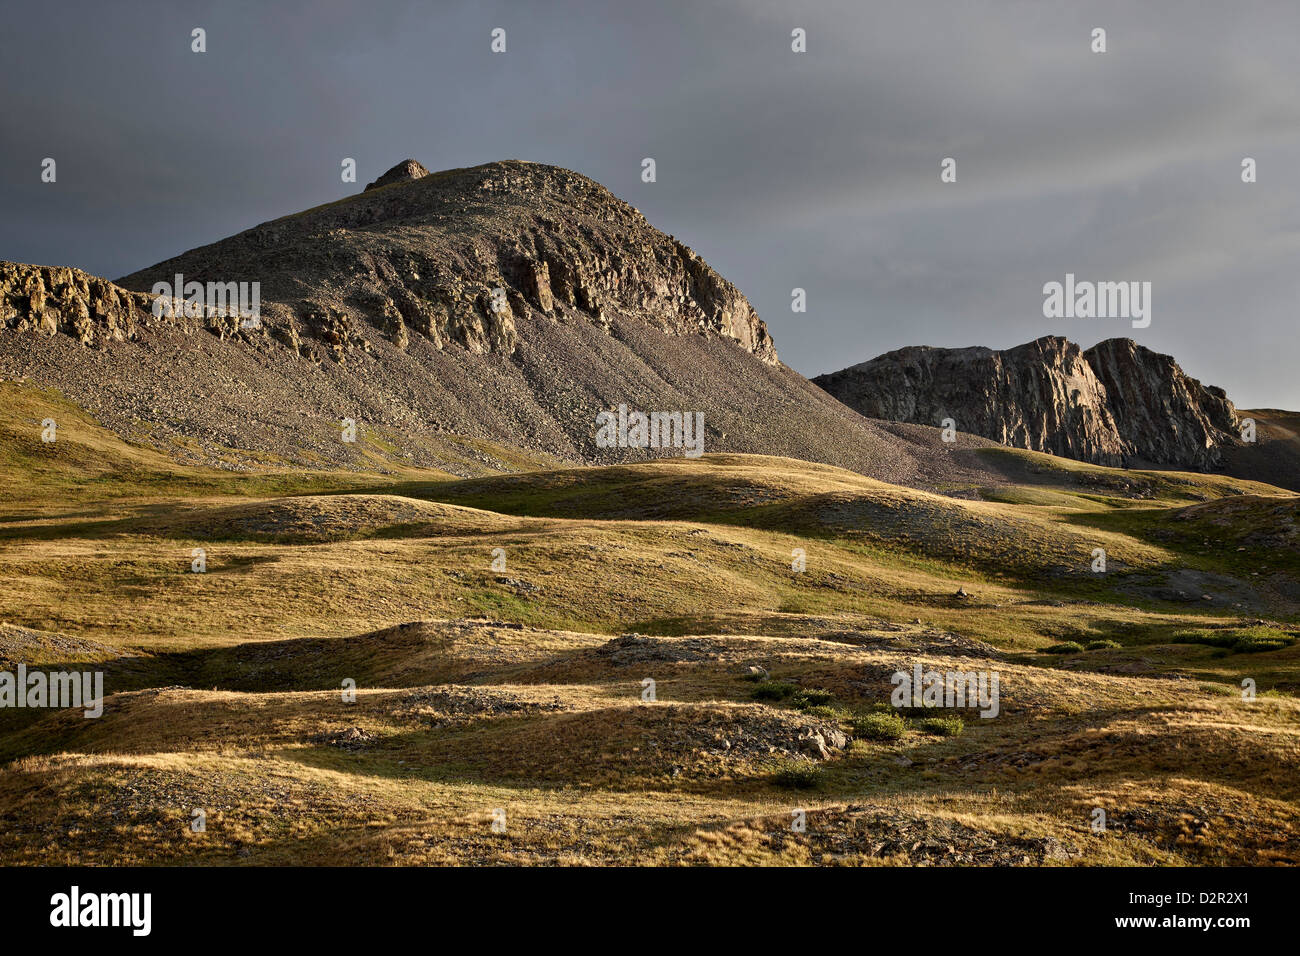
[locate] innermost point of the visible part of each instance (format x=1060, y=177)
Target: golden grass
x=481, y=689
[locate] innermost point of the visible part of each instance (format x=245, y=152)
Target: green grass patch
x=1238, y=640
x=774, y=690
x=796, y=775
x=879, y=726
x=941, y=726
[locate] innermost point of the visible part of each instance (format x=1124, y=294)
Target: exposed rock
x=20, y=645
x=518, y=585
x=1042, y=395
x=51, y=300
x=819, y=744
x=639, y=649
x=537, y=278
x=405, y=171
x=1165, y=416
x=351, y=738
x=847, y=835
x=814, y=745
x=1116, y=404
x=449, y=705
x=455, y=255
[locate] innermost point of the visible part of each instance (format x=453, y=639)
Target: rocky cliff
x=1116, y=404
x=51, y=300
x=1164, y=415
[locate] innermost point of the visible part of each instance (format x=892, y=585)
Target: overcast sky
x=818, y=169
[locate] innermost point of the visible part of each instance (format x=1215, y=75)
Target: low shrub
x=826, y=712
x=879, y=726
x=774, y=690
x=811, y=697
x=1065, y=647
x=1254, y=643
x=941, y=726
x=797, y=775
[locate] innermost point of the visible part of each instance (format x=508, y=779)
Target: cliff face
x=1042, y=395
x=56, y=299
x=1116, y=404
x=1166, y=416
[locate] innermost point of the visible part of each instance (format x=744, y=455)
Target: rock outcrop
x=1043, y=395
x=94, y=311
x=403, y=172
x=1164, y=415
x=1116, y=404
x=53, y=300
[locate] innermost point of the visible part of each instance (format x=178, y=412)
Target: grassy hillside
x=519, y=688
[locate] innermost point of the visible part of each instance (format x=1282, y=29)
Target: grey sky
x=818, y=170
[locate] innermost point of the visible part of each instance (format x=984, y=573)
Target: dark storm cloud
x=817, y=170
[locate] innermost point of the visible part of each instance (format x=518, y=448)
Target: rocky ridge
x=1118, y=403
x=58, y=299
x=1164, y=415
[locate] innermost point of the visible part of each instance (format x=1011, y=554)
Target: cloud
x=818, y=170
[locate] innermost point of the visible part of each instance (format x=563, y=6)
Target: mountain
x=1118, y=403
x=473, y=320
x=421, y=253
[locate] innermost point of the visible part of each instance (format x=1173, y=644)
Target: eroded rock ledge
x=51, y=299
x=57, y=299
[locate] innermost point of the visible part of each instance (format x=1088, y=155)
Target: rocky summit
x=1118, y=403
x=1164, y=415
x=404, y=171
x=471, y=320
x=460, y=257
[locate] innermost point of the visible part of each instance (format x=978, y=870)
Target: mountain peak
x=464, y=257
x=406, y=171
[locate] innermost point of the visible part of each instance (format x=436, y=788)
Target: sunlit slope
x=499, y=632
x=551, y=726
x=101, y=537
x=1047, y=525
x=84, y=460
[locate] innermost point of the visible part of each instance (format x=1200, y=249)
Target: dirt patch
x=25, y=645
x=854, y=835
x=454, y=706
